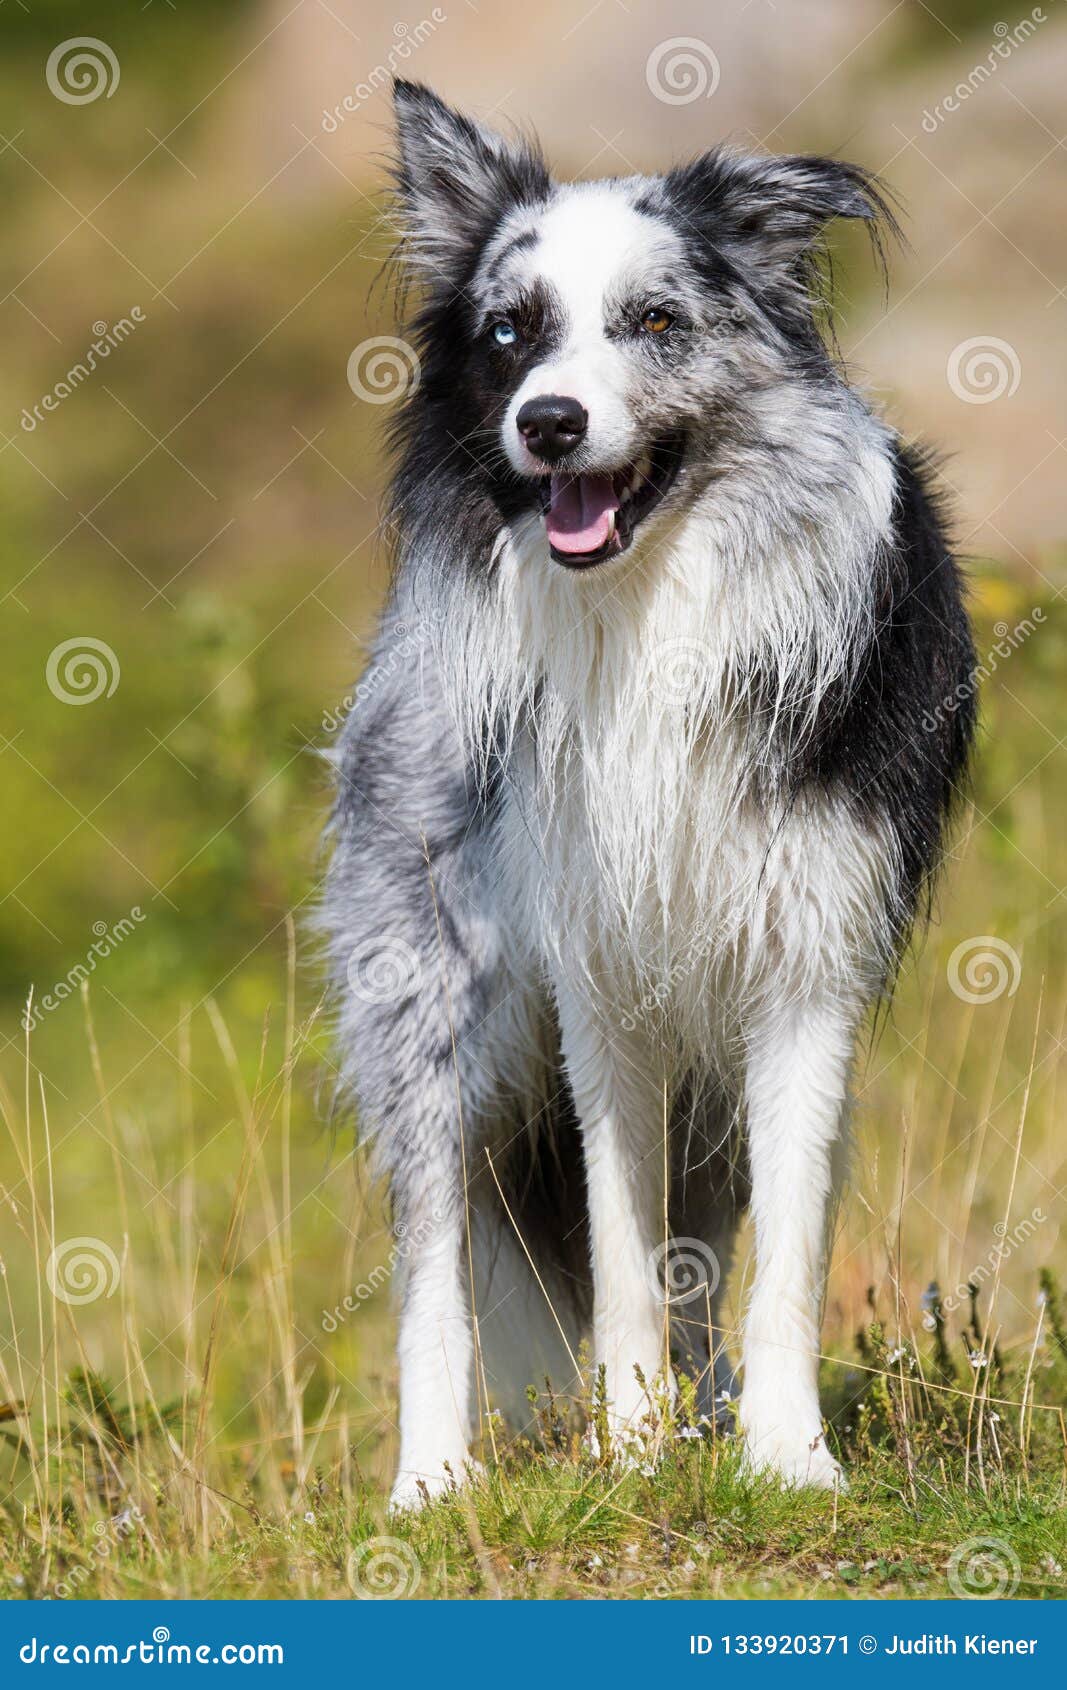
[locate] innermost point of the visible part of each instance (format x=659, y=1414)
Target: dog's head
x=593, y=350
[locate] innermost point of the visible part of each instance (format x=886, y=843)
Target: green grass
x=198, y=1428
x=197, y=1425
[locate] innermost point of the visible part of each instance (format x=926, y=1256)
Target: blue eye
x=505, y=334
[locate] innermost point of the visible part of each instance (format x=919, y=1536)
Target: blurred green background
x=205, y=504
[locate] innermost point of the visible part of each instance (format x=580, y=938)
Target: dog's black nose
x=552, y=425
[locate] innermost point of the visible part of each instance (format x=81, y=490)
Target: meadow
x=197, y=1275
x=197, y=1375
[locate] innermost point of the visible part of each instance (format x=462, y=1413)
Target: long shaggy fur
x=642, y=836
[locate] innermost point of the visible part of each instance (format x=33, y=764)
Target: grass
x=199, y=1424
x=202, y=1424
x=188, y=1410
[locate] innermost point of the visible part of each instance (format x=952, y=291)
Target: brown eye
x=656, y=321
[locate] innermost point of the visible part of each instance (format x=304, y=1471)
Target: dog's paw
x=793, y=1460
x=415, y=1487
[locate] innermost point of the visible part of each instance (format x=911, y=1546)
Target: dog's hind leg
x=708, y=1194
x=531, y=1258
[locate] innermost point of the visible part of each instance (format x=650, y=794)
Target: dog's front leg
x=798, y=1063
x=435, y=1342
x=619, y=1098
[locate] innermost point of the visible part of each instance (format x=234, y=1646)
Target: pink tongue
x=580, y=511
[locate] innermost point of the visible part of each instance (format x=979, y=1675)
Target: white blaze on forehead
x=592, y=249
x=591, y=241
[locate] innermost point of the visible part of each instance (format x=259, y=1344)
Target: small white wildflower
x=309, y=1518
x=689, y=1432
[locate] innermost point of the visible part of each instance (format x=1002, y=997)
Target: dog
x=640, y=801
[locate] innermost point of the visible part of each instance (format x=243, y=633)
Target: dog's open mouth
x=590, y=518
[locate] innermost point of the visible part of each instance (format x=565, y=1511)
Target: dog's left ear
x=771, y=212
x=456, y=179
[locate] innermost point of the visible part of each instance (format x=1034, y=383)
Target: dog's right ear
x=455, y=180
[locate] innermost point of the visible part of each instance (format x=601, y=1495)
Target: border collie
x=636, y=810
